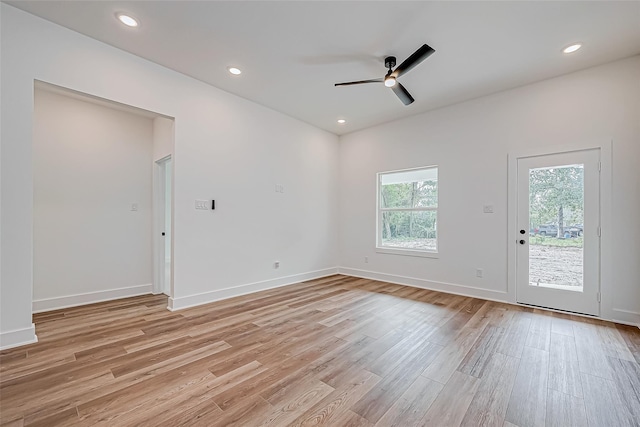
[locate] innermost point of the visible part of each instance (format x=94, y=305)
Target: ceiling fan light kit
x=390, y=80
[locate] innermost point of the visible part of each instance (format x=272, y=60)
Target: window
x=408, y=212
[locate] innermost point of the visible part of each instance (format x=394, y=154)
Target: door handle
x=163, y=233
x=522, y=242
x=522, y=231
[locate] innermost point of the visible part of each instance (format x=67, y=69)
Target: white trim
x=606, y=231
x=627, y=317
x=49, y=304
x=430, y=208
x=249, y=288
x=559, y=149
x=18, y=337
x=512, y=216
x=450, y=288
x=408, y=252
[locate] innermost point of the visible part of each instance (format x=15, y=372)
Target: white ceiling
x=292, y=52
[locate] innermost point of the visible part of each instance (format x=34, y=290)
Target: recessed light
x=572, y=48
x=342, y=121
x=127, y=20
x=235, y=71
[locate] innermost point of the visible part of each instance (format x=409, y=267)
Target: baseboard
x=221, y=294
x=49, y=304
x=627, y=317
x=18, y=337
x=450, y=288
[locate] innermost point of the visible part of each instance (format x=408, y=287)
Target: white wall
x=226, y=148
x=90, y=164
x=470, y=142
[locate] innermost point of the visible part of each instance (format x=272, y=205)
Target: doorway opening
x=95, y=198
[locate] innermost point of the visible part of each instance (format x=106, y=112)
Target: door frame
x=606, y=239
x=158, y=226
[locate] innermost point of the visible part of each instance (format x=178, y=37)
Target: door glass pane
x=556, y=217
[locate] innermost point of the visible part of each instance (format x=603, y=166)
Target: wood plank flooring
x=337, y=351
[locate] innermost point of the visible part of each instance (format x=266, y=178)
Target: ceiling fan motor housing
x=390, y=62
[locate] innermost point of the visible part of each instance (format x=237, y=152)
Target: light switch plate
x=202, y=205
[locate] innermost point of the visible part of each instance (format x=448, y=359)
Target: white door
x=167, y=227
x=163, y=220
x=558, y=220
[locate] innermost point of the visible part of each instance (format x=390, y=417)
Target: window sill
x=407, y=252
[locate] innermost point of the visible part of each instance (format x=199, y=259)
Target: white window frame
x=379, y=210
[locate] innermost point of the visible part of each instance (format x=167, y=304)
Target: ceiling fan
x=390, y=79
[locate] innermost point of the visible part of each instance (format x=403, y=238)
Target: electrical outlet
x=134, y=207
x=276, y=264
x=487, y=209
x=479, y=272
x=366, y=260
x=279, y=188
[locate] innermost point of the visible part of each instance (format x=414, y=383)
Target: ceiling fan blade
x=416, y=57
x=360, y=82
x=402, y=93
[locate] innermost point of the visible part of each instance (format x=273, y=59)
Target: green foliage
x=409, y=224
x=404, y=224
x=410, y=195
x=556, y=196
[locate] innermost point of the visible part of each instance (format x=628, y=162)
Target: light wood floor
x=337, y=351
